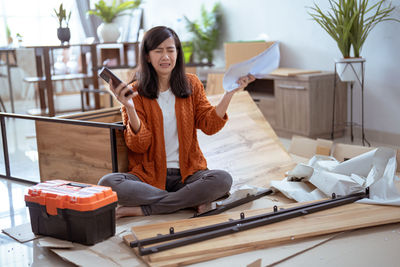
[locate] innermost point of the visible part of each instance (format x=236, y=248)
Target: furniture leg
x=9, y=83
x=351, y=111
x=2, y=105
x=333, y=113
x=49, y=85
x=41, y=85
x=94, y=73
x=364, y=140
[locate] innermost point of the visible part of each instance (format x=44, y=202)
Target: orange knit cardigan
x=147, y=156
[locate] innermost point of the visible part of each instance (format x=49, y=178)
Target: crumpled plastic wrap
x=375, y=169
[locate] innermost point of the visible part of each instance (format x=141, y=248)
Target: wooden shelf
x=63, y=77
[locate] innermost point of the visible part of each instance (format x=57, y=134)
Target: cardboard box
x=307, y=147
x=343, y=152
x=302, y=149
x=236, y=52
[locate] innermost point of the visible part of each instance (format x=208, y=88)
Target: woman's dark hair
x=147, y=79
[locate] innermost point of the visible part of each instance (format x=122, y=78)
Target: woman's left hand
x=244, y=81
x=222, y=106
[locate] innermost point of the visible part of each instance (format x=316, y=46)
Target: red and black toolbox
x=77, y=212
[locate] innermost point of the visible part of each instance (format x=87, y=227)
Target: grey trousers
x=202, y=187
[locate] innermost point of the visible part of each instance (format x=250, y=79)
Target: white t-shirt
x=166, y=101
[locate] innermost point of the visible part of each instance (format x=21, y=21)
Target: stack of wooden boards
x=347, y=217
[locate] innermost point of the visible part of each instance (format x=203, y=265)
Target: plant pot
x=63, y=35
x=350, y=69
x=187, y=48
x=108, y=32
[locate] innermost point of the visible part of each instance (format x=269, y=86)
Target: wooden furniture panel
x=266, y=104
x=214, y=84
x=79, y=153
x=292, y=106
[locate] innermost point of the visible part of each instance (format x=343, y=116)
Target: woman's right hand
x=123, y=93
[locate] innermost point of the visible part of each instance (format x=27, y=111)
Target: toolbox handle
x=79, y=185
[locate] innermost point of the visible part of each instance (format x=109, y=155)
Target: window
x=36, y=22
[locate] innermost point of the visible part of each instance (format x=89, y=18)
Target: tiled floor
x=24, y=164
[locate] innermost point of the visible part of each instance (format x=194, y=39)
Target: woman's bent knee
x=225, y=181
x=110, y=179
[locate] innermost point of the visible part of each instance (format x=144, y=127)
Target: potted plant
x=108, y=31
x=63, y=32
x=8, y=34
x=206, y=33
x=349, y=23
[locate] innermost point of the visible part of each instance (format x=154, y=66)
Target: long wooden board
x=348, y=217
x=292, y=72
x=247, y=147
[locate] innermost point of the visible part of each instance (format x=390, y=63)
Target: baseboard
x=392, y=139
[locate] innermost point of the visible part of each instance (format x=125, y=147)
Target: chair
x=2, y=107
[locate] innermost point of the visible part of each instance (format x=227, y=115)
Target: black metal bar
x=67, y=121
x=215, y=230
x=114, y=153
x=334, y=102
x=17, y=179
x=351, y=112
x=5, y=146
x=240, y=226
x=236, y=203
x=362, y=106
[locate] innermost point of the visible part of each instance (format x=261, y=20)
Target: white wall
x=305, y=45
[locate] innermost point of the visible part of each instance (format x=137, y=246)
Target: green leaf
x=348, y=22
x=206, y=31
x=109, y=12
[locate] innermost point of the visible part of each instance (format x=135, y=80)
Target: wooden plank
x=183, y=261
x=214, y=84
x=247, y=147
x=292, y=72
x=348, y=217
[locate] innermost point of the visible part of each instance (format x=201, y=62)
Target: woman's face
x=163, y=58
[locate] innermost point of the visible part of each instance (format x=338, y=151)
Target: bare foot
x=203, y=208
x=122, y=211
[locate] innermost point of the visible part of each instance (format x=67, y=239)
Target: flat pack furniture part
x=90, y=142
x=235, y=203
x=212, y=231
x=317, y=225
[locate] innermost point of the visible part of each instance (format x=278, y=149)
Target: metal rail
x=216, y=230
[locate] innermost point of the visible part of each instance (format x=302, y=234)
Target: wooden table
x=45, y=78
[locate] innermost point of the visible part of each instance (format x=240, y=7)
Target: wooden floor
x=249, y=149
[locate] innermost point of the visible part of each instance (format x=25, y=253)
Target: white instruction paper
x=375, y=169
x=258, y=66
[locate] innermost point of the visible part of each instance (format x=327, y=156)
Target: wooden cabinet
x=301, y=104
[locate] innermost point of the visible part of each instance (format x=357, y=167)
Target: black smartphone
x=107, y=74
